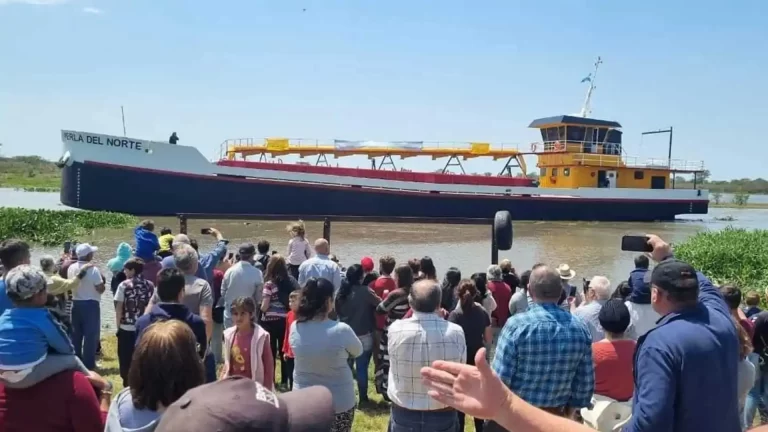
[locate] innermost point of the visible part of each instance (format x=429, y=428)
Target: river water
x=590, y=248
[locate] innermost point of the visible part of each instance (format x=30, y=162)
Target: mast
x=586, y=108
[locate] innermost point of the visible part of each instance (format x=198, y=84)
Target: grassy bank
x=736, y=206
x=731, y=255
x=370, y=417
x=29, y=172
x=53, y=227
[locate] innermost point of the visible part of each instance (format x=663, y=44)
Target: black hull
x=94, y=186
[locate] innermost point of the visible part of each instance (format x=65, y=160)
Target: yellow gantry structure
x=275, y=147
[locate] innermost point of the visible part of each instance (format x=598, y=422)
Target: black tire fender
x=502, y=230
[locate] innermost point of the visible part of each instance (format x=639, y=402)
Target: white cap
x=84, y=249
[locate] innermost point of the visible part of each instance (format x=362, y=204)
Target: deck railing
x=636, y=162
x=257, y=144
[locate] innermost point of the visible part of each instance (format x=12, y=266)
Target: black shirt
x=760, y=339
x=473, y=322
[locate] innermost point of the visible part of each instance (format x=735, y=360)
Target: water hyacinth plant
x=732, y=255
x=51, y=227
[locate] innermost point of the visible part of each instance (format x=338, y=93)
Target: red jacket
x=501, y=294
x=65, y=402
x=289, y=319
x=379, y=286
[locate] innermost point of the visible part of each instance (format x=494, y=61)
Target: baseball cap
x=367, y=264
x=238, y=404
x=675, y=275
x=24, y=281
x=247, y=249
x=84, y=249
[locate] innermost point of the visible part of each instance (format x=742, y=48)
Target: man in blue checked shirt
x=545, y=354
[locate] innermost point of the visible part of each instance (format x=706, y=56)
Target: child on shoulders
x=298, y=248
x=33, y=345
x=247, y=350
x=166, y=242
x=146, y=240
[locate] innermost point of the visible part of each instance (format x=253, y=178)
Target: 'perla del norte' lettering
x=104, y=140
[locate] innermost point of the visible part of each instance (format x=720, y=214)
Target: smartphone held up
x=636, y=244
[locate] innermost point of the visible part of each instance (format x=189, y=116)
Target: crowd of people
x=201, y=337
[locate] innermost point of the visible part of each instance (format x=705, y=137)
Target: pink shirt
x=298, y=251
x=240, y=355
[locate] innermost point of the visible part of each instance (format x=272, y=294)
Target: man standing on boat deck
x=320, y=266
x=173, y=139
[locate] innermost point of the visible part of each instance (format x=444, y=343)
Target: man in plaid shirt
x=545, y=354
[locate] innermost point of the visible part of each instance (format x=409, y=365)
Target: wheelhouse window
x=566, y=172
x=639, y=175
x=554, y=172
x=543, y=172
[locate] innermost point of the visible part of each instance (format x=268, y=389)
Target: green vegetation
x=740, y=198
x=732, y=255
x=743, y=185
x=29, y=172
x=51, y=227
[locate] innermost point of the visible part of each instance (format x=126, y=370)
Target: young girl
x=246, y=346
x=298, y=248
x=293, y=306
x=131, y=299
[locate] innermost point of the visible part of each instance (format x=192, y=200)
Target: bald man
x=415, y=343
x=320, y=266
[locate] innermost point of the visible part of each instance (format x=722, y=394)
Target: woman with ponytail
x=321, y=347
x=476, y=323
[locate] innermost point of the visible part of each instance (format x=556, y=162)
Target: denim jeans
x=209, y=362
x=86, y=329
x=217, y=340
x=759, y=393
x=404, y=420
x=360, y=365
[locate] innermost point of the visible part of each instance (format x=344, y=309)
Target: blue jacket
x=27, y=334
x=685, y=370
x=177, y=311
x=206, y=262
x=146, y=243
x=641, y=290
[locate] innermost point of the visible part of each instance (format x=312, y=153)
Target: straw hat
x=566, y=272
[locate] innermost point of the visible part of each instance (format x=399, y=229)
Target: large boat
x=584, y=175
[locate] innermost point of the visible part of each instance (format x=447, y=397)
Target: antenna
x=122, y=111
x=586, y=108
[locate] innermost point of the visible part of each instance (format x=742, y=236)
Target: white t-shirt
x=298, y=251
x=87, y=289
x=642, y=319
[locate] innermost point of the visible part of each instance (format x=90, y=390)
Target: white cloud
x=34, y=2
x=93, y=10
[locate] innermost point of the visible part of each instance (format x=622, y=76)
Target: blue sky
x=387, y=70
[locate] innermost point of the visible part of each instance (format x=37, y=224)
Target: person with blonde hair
x=298, y=247
x=164, y=366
